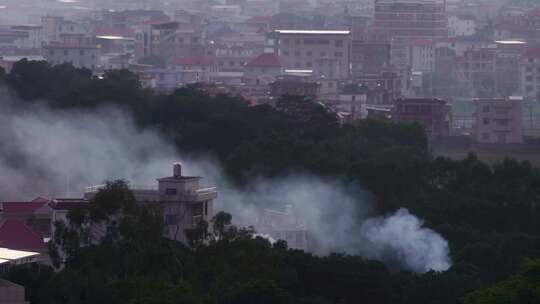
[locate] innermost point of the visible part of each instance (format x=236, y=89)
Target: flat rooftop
x=312, y=32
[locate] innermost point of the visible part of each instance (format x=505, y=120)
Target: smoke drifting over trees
x=56, y=153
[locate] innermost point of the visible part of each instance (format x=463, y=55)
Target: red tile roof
x=192, y=61
x=14, y=234
x=22, y=207
x=265, y=60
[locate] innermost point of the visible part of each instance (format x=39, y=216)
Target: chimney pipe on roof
x=177, y=169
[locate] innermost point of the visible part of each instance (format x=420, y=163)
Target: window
x=285, y=41
x=485, y=109
x=531, y=59
x=297, y=41
x=205, y=208
x=502, y=122
x=66, y=52
x=309, y=53
x=285, y=53
x=485, y=136
x=339, y=43
x=323, y=54
x=309, y=64
x=170, y=191
x=51, y=52
x=297, y=53
x=338, y=54
x=486, y=121
x=529, y=69
x=81, y=52
x=171, y=219
x=528, y=78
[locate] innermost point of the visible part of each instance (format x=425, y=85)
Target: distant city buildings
x=260, y=50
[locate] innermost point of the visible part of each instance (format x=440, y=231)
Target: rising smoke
x=58, y=153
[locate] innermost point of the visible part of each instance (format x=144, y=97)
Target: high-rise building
x=324, y=52
x=403, y=21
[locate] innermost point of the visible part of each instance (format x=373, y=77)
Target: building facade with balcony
x=498, y=120
x=182, y=199
x=326, y=53
x=432, y=113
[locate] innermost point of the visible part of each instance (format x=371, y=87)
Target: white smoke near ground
x=401, y=239
x=56, y=153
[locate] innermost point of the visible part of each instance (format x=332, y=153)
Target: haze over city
x=269, y=151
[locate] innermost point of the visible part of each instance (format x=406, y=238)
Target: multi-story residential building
x=432, y=113
x=529, y=74
x=183, y=201
x=498, y=120
x=32, y=39
x=383, y=87
x=202, y=67
x=54, y=27
x=294, y=85
x=231, y=58
x=167, y=40
x=423, y=56
x=264, y=65
x=325, y=52
x=476, y=70
x=403, y=21
x=282, y=225
x=81, y=56
x=461, y=25
x=369, y=57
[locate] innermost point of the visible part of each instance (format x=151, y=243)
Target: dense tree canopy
x=488, y=213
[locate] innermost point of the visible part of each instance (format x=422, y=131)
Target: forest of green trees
x=488, y=213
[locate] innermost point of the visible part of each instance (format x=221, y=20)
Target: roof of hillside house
x=22, y=207
x=14, y=234
x=198, y=60
x=265, y=60
x=70, y=204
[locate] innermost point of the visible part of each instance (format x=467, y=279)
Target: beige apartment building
x=498, y=120
x=183, y=201
x=325, y=52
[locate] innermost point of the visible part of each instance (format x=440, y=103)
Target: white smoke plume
x=400, y=239
x=56, y=153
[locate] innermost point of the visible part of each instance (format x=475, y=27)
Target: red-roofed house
x=36, y=214
x=15, y=234
x=265, y=64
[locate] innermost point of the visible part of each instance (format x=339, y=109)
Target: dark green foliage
x=489, y=214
